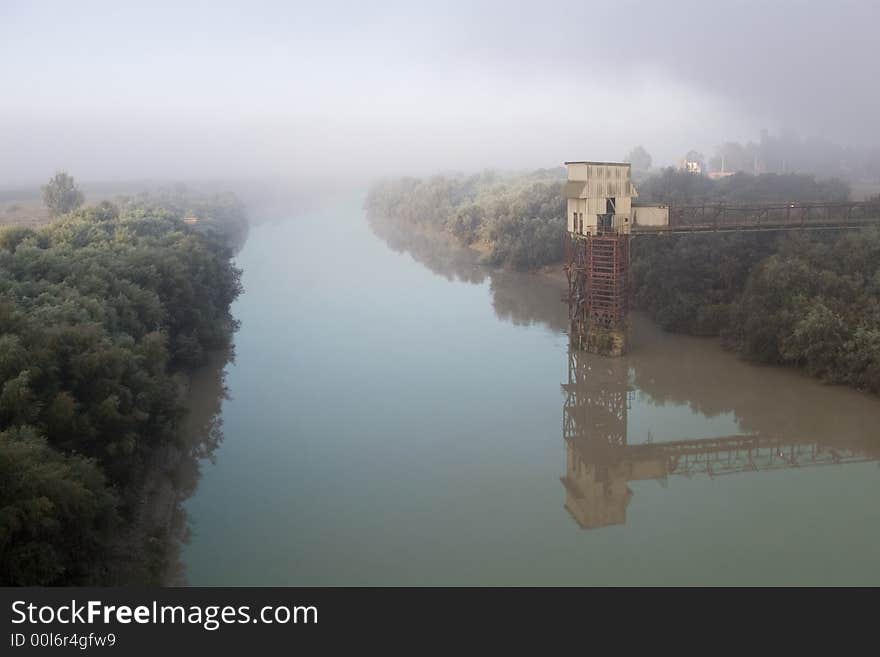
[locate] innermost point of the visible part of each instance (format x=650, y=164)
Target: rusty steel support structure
x=597, y=270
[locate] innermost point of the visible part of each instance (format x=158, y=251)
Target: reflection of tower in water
x=597, y=401
x=600, y=461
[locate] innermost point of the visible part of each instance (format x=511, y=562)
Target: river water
x=399, y=416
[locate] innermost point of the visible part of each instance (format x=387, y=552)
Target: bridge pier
x=597, y=269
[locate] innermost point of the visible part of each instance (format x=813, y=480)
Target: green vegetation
x=519, y=218
x=103, y=314
x=60, y=195
x=671, y=186
x=221, y=216
x=687, y=283
x=806, y=300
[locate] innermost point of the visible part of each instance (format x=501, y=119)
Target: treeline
x=221, y=214
x=678, y=187
x=518, y=220
x=788, y=152
x=103, y=314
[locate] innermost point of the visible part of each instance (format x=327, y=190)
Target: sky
x=113, y=90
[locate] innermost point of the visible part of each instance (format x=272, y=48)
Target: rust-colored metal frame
x=597, y=270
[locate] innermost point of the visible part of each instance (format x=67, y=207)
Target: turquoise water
x=396, y=417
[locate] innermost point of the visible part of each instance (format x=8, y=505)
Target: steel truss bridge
x=724, y=217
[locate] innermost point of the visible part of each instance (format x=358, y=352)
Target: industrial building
x=601, y=215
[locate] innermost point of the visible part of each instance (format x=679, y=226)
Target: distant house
x=190, y=219
x=691, y=166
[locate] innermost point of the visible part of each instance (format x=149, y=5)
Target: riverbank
x=515, y=220
x=106, y=314
x=526, y=297
x=148, y=552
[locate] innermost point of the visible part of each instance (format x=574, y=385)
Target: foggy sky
x=353, y=89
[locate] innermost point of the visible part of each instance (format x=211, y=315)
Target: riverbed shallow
x=398, y=415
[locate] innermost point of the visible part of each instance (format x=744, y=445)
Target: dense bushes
x=687, y=283
x=56, y=512
x=101, y=314
x=521, y=218
x=807, y=300
x=816, y=305
x=220, y=216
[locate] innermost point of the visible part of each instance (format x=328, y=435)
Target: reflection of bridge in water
x=600, y=462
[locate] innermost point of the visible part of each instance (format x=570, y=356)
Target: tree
x=61, y=194
x=732, y=157
x=57, y=515
x=522, y=216
x=639, y=158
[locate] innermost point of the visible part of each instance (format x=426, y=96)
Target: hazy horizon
x=344, y=90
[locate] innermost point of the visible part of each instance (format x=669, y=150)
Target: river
x=397, y=415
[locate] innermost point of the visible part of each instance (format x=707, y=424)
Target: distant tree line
x=222, y=214
x=103, y=313
x=519, y=219
x=679, y=187
x=782, y=154
x=788, y=153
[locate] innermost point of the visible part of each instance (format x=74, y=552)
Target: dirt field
x=23, y=213
x=28, y=210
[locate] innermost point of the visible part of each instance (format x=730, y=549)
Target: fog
x=352, y=90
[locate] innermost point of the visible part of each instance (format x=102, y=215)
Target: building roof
x=611, y=164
